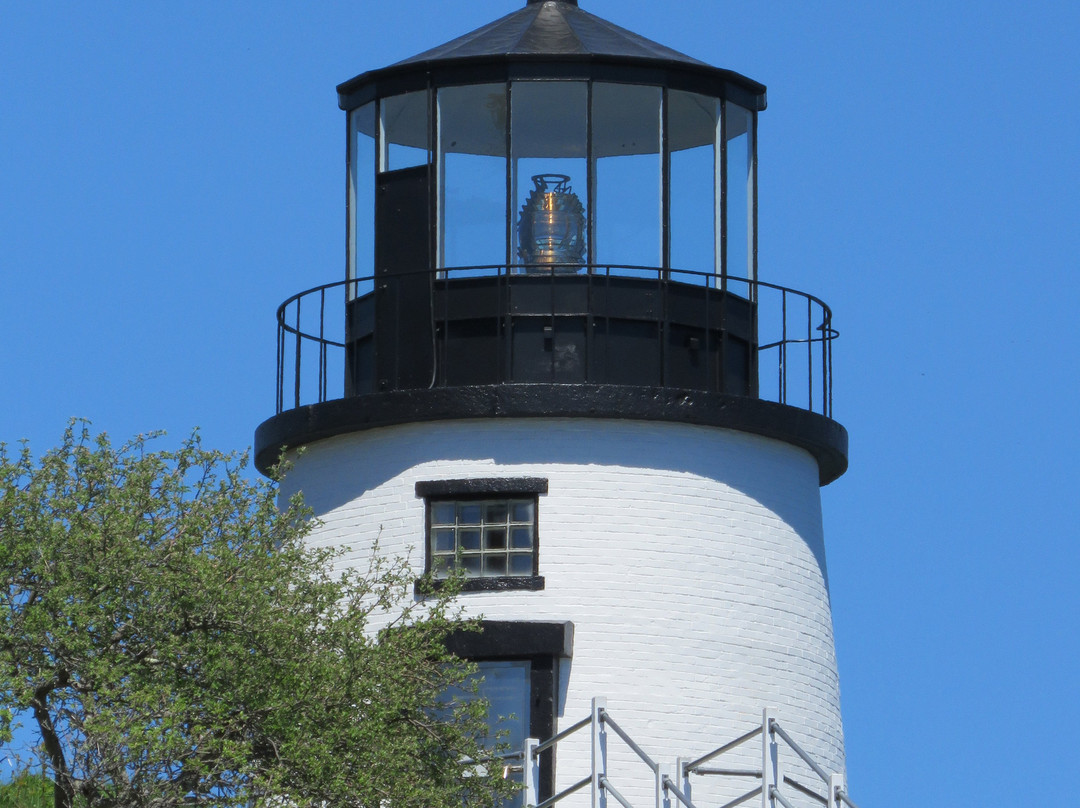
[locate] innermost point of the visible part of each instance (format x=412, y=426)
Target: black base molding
x=822, y=437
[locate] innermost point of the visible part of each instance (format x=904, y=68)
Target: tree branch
x=50, y=738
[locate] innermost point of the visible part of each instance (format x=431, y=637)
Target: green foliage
x=173, y=638
x=27, y=790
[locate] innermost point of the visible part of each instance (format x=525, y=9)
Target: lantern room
x=641, y=164
x=541, y=150
x=553, y=201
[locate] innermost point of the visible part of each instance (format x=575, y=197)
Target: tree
x=173, y=639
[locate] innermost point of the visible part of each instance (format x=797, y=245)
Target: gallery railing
x=789, y=346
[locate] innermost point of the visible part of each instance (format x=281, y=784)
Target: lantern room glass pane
x=361, y=197
x=627, y=215
x=548, y=152
x=694, y=123
x=404, y=125
x=472, y=171
x=739, y=134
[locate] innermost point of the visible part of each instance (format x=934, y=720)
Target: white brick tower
x=552, y=365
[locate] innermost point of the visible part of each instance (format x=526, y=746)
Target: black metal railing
x=323, y=331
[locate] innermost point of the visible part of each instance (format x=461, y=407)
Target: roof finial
x=534, y=2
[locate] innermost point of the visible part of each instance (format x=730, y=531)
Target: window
x=487, y=538
x=486, y=529
x=519, y=663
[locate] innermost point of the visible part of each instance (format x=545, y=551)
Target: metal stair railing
x=666, y=789
x=599, y=721
x=654, y=767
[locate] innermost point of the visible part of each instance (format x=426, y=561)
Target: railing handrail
x=605, y=717
x=749, y=736
x=774, y=726
x=502, y=270
x=842, y=795
x=554, y=739
x=795, y=784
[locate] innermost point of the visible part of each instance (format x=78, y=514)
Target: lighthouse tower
x=553, y=367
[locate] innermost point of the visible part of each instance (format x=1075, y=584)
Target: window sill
x=531, y=583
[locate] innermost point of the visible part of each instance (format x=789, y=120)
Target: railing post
x=280, y=364
x=322, y=345
x=783, y=346
x=296, y=362
x=530, y=766
x=599, y=753
x=770, y=774
x=836, y=785
x=682, y=777
x=662, y=798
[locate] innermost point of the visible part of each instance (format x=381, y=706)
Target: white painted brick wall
x=690, y=560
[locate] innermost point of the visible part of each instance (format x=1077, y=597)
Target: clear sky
x=170, y=172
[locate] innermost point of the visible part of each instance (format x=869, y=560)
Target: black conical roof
x=552, y=28
x=551, y=32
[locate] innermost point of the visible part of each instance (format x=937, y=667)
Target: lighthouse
x=552, y=368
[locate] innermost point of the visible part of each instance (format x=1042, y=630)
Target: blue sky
x=170, y=172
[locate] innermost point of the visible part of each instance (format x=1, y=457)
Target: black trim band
x=506, y=583
x=482, y=486
x=510, y=639
x=711, y=81
x=822, y=437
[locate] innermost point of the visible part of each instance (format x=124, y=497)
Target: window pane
x=505, y=687
x=496, y=512
x=444, y=541
x=472, y=156
x=442, y=513
x=523, y=511
x=404, y=131
x=626, y=148
x=740, y=192
x=469, y=514
x=362, y=195
x=548, y=139
x=521, y=538
x=521, y=564
x=694, y=121
x=495, y=538
x=494, y=565
x=470, y=539
x=471, y=565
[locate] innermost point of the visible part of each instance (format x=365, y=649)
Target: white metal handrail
x=771, y=774
x=798, y=750
x=695, y=764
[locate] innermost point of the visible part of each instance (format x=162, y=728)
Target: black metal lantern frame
x=422, y=136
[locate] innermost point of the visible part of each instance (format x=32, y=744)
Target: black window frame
x=481, y=488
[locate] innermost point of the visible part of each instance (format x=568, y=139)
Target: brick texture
x=690, y=560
